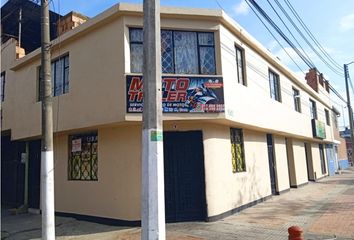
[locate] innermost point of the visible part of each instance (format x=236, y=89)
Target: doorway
x=184, y=176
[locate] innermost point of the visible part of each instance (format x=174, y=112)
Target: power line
x=274, y=25
x=281, y=45
x=336, y=71
x=311, y=35
x=290, y=32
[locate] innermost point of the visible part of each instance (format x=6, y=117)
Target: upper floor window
x=240, y=65
x=274, y=85
x=59, y=76
x=297, y=100
x=313, y=109
x=334, y=119
x=237, y=150
x=2, y=86
x=328, y=121
x=182, y=52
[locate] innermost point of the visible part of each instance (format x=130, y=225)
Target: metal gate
x=184, y=176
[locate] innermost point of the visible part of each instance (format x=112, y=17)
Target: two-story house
x=239, y=126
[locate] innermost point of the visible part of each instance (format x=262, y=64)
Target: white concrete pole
x=153, y=197
x=47, y=159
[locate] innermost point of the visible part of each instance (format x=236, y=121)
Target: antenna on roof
x=19, y=27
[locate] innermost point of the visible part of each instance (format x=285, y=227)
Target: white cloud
x=347, y=22
x=242, y=8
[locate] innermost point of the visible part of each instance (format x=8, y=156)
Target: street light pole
x=153, y=197
x=350, y=110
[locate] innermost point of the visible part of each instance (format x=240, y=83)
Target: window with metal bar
x=83, y=157
x=182, y=52
x=237, y=150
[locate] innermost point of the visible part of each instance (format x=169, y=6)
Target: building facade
x=239, y=126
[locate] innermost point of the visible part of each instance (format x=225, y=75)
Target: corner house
x=239, y=126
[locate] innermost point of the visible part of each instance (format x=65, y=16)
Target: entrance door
x=271, y=159
x=34, y=174
x=12, y=173
x=184, y=176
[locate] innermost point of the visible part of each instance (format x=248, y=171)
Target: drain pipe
x=25, y=203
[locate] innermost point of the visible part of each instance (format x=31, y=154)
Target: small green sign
x=156, y=136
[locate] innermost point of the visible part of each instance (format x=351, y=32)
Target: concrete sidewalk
x=324, y=209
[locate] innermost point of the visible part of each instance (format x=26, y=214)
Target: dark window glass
x=237, y=150
x=83, y=157
x=328, y=121
x=59, y=76
x=2, y=86
x=297, y=100
x=313, y=109
x=240, y=66
x=274, y=85
x=322, y=157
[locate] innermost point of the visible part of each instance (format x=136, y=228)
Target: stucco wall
x=300, y=162
x=317, y=160
x=227, y=190
x=116, y=194
x=282, y=171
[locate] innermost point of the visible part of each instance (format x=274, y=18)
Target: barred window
x=182, y=52
x=237, y=150
x=83, y=157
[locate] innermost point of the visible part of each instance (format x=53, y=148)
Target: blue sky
x=330, y=21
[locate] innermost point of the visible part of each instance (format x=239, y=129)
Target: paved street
x=323, y=209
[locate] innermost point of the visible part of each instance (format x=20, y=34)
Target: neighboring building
x=239, y=126
x=30, y=24
x=348, y=143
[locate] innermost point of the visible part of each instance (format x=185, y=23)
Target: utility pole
x=153, y=199
x=20, y=27
x=47, y=156
x=350, y=110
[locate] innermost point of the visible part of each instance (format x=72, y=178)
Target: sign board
x=180, y=94
x=76, y=145
x=318, y=129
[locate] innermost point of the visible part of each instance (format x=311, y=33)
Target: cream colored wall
x=226, y=190
x=300, y=162
x=317, y=160
x=282, y=171
x=8, y=56
x=96, y=85
x=244, y=103
x=116, y=194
